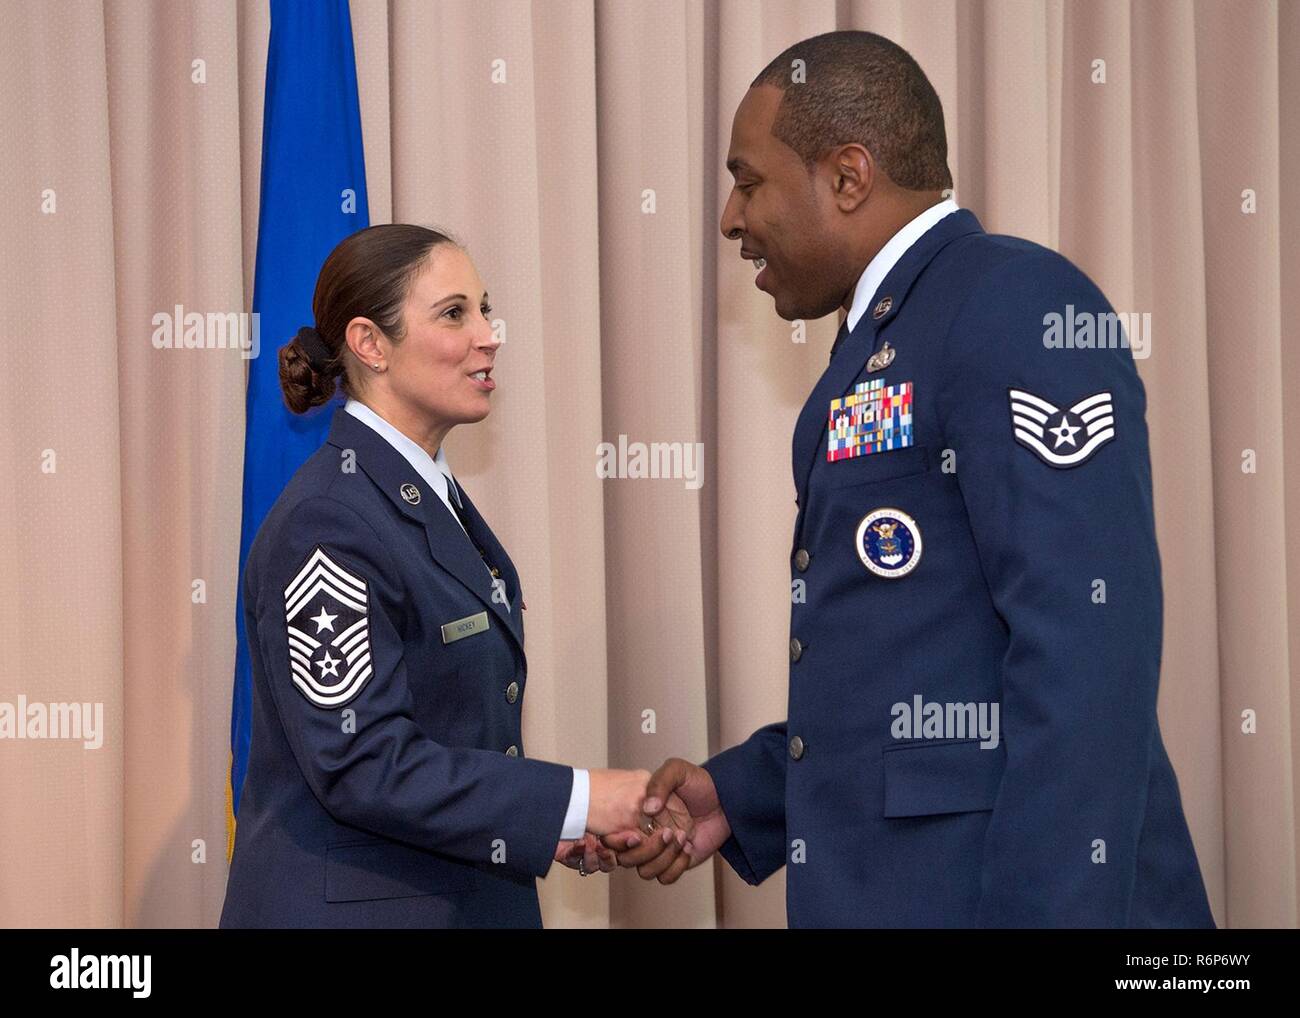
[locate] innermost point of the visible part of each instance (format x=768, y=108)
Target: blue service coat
x=386, y=782
x=1032, y=581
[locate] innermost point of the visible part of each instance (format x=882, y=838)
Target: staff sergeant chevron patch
x=1062, y=438
x=327, y=615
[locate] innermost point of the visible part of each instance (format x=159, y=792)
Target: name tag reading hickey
x=468, y=626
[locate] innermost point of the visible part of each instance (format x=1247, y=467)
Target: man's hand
x=677, y=783
x=617, y=800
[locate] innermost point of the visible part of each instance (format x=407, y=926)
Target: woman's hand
x=615, y=800
x=587, y=855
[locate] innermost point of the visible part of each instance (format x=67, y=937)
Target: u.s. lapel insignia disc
x=889, y=542
x=881, y=359
x=411, y=493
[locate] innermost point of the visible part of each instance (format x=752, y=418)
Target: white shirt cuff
x=575, y=820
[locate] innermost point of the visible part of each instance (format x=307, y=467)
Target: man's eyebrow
x=736, y=164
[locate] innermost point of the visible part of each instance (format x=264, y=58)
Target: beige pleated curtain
x=1145, y=140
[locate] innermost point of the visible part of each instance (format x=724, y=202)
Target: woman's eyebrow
x=454, y=296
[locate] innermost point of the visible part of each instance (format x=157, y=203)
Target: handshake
x=662, y=823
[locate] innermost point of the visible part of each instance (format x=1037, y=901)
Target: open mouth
x=483, y=379
x=760, y=266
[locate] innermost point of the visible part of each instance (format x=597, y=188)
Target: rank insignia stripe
x=1053, y=434
x=874, y=417
x=327, y=613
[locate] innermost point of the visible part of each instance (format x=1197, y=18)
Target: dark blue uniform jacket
x=1036, y=587
x=386, y=782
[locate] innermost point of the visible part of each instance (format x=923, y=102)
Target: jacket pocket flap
x=364, y=871
x=928, y=778
x=887, y=465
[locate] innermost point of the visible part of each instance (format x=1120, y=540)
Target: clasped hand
x=662, y=824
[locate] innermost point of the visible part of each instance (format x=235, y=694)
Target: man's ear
x=853, y=175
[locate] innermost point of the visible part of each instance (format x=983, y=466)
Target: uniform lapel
x=496, y=554
x=448, y=545
x=810, y=429
x=847, y=364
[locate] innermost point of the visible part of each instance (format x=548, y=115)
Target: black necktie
x=840, y=337
x=459, y=510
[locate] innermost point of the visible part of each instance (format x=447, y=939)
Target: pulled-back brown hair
x=367, y=275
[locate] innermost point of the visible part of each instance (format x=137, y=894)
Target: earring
x=375, y=366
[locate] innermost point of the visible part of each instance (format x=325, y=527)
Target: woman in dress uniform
x=387, y=783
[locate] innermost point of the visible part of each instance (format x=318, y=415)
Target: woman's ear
x=366, y=342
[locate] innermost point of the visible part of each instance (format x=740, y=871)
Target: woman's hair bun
x=314, y=346
x=308, y=371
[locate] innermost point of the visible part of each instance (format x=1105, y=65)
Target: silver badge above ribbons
x=881, y=359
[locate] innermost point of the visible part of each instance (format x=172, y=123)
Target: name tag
x=462, y=628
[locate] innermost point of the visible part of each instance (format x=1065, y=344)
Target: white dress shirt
x=887, y=257
x=434, y=470
x=437, y=475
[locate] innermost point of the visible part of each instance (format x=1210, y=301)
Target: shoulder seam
x=388, y=563
x=976, y=289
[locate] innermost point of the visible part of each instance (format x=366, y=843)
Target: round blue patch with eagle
x=889, y=542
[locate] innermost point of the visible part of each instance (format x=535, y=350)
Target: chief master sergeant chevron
x=964, y=492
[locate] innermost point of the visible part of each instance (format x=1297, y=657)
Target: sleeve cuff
x=575, y=820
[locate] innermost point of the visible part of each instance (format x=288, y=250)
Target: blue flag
x=313, y=195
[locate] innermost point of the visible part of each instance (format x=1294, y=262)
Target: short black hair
x=861, y=87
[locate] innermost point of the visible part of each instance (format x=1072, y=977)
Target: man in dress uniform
x=976, y=620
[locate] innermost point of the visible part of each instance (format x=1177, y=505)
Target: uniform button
x=512, y=751
x=796, y=748
x=801, y=559
x=796, y=649
x=512, y=692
